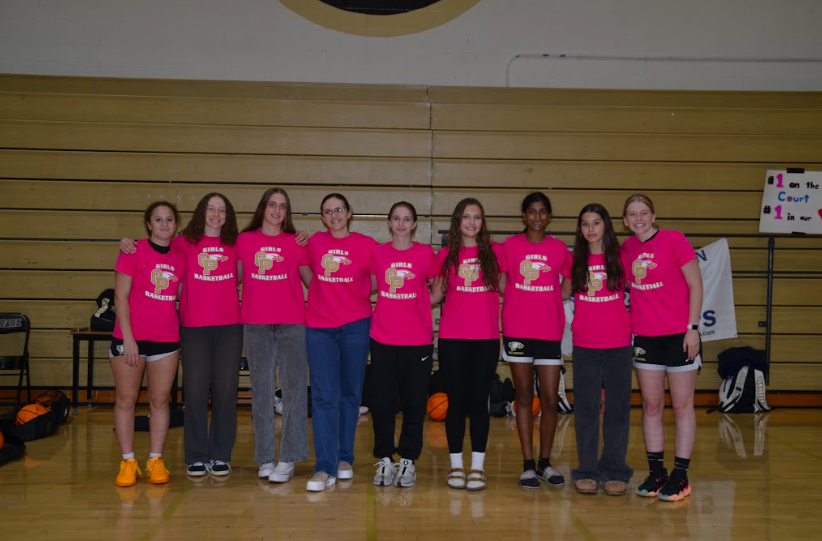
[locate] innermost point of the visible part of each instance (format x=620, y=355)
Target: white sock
x=127, y=456
x=456, y=461
x=477, y=461
x=154, y=455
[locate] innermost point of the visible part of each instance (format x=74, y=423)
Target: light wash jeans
x=269, y=348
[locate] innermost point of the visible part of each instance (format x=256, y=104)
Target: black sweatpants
x=211, y=363
x=468, y=367
x=399, y=379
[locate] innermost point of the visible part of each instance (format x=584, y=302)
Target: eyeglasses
x=338, y=210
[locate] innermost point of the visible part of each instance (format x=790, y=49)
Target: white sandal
x=456, y=478
x=476, y=480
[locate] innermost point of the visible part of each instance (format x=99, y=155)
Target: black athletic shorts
x=152, y=351
x=532, y=351
x=664, y=353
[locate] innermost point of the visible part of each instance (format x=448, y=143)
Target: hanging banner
x=718, y=313
x=791, y=202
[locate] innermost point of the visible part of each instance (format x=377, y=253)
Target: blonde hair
x=638, y=198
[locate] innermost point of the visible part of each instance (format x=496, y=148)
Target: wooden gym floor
x=754, y=476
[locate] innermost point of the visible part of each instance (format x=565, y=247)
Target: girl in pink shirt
x=470, y=271
x=401, y=345
x=272, y=265
x=602, y=353
x=666, y=307
x=146, y=338
x=533, y=320
x=338, y=320
x=210, y=333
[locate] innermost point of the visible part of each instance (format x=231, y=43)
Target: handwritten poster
x=791, y=203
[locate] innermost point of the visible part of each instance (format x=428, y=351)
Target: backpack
x=743, y=392
x=56, y=401
x=743, y=380
x=104, y=318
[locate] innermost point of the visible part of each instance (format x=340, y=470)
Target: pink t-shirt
x=155, y=278
x=402, y=316
x=532, y=305
x=272, y=290
x=470, y=311
x=209, y=296
x=340, y=290
x=659, y=292
x=601, y=320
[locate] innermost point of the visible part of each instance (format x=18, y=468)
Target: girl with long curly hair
x=471, y=267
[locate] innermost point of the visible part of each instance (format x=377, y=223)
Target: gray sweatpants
x=269, y=348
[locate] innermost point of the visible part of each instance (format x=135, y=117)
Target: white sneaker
x=282, y=473
x=320, y=482
x=345, y=471
x=385, y=472
x=265, y=470
x=407, y=474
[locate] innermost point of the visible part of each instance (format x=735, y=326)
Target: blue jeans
x=336, y=361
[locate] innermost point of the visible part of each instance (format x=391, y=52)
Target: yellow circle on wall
x=400, y=22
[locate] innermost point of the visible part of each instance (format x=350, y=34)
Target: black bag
x=58, y=402
x=105, y=316
x=743, y=380
x=35, y=421
x=502, y=392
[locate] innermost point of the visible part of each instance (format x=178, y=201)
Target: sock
x=127, y=456
x=155, y=455
x=529, y=465
x=477, y=461
x=680, y=468
x=656, y=462
x=544, y=463
x=456, y=461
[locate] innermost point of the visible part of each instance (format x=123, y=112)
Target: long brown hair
x=487, y=257
x=257, y=220
x=610, y=247
x=195, y=229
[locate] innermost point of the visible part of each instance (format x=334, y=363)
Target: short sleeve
x=127, y=263
x=682, y=250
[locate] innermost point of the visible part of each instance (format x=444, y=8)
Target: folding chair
x=17, y=364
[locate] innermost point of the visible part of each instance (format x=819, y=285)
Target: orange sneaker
x=156, y=471
x=129, y=470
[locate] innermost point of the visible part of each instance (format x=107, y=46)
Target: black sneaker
x=675, y=490
x=529, y=479
x=653, y=484
x=198, y=469
x=218, y=468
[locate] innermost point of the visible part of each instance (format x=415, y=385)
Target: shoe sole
x=552, y=484
x=197, y=473
x=399, y=483
x=530, y=487
x=319, y=487
x=679, y=496
x=281, y=478
x=158, y=482
x=220, y=473
x=475, y=489
x=646, y=494
x=121, y=485
x=263, y=475
x=615, y=493
x=586, y=491
x=383, y=483
x=345, y=474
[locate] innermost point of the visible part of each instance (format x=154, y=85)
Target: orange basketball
x=2, y=440
x=437, y=406
x=27, y=413
x=536, y=406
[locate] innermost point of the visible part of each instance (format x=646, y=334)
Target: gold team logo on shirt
x=395, y=278
x=595, y=280
x=331, y=263
x=265, y=261
x=161, y=280
x=469, y=272
x=530, y=270
x=209, y=262
x=640, y=268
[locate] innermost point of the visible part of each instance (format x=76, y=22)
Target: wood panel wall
x=80, y=158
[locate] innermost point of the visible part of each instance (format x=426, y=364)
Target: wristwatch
x=693, y=327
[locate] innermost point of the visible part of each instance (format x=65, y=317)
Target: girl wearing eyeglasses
x=273, y=316
x=471, y=267
x=401, y=346
x=338, y=321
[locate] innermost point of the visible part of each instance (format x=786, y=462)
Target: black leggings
x=468, y=367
